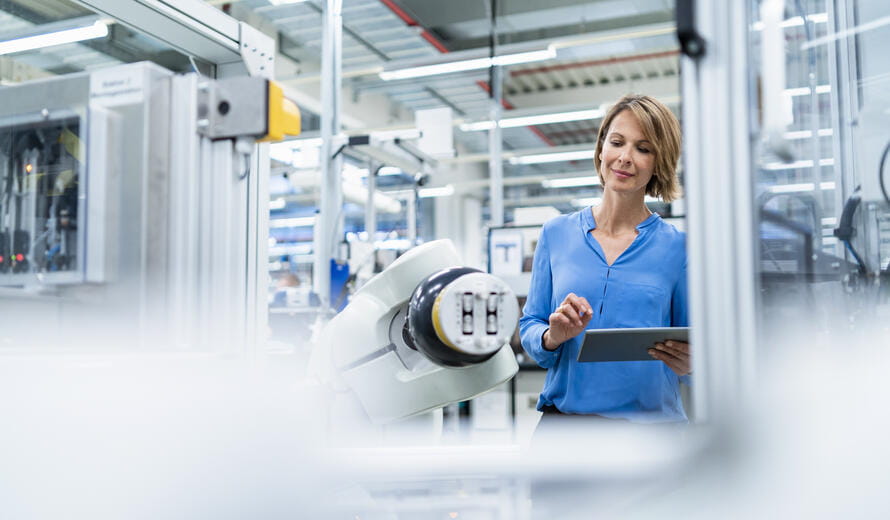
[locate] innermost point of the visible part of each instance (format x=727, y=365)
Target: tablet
x=626, y=344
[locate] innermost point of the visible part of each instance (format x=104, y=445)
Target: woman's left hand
x=675, y=354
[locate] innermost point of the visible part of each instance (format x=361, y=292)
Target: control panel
x=41, y=188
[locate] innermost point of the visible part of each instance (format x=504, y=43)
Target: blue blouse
x=644, y=287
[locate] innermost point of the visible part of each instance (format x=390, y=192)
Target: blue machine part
x=339, y=278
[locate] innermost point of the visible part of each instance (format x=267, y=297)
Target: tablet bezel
x=630, y=344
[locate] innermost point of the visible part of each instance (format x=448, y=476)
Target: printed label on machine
x=117, y=86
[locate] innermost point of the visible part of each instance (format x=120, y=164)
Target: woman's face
x=627, y=159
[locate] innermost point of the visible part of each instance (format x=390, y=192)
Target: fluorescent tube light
x=553, y=157
x=796, y=21
x=846, y=33
x=442, y=191
x=571, y=182
x=797, y=164
x=465, y=65
x=796, y=188
x=591, y=201
x=543, y=119
x=805, y=91
x=389, y=170
x=478, y=126
x=292, y=222
x=433, y=70
x=40, y=41
x=806, y=134
x=524, y=57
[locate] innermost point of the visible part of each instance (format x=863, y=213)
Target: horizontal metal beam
x=645, y=38
x=190, y=26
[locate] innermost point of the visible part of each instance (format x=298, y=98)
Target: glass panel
x=819, y=84
x=40, y=166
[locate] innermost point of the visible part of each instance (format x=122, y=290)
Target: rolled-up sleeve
x=536, y=313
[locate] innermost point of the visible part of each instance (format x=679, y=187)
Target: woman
x=615, y=265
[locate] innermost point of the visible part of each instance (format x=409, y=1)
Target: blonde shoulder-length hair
x=662, y=130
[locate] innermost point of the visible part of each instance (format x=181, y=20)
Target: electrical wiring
x=845, y=231
x=881, y=172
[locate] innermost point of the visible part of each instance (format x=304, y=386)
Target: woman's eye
x=643, y=150
x=615, y=143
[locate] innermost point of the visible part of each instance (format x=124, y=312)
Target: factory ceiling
x=604, y=48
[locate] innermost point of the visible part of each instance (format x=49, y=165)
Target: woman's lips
x=622, y=174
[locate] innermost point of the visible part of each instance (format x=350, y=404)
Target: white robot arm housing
x=424, y=333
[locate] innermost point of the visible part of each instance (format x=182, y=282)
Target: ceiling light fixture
x=795, y=21
x=389, y=170
x=803, y=187
x=806, y=134
x=292, y=222
x=571, y=182
x=797, y=164
x=805, y=91
x=465, y=65
x=542, y=119
x=593, y=201
x=553, y=157
x=442, y=191
x=590, y=201
x=99, y=29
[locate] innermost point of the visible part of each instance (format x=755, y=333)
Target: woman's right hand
x=567, y=321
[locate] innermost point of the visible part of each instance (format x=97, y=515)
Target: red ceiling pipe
x=411, y=22
x=509, y=106
x=428, y=36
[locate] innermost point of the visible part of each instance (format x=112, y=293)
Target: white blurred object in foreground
x=423, y=333
x=155, y=437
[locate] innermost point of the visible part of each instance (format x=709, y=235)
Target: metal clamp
x=691, y=42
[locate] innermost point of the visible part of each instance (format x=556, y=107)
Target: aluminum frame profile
x=721, y=239
x=196, y=29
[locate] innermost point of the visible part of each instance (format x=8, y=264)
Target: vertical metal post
x=411, y=206
x=815, y=140
x=327, y=224
x=495, y=145
x=844, y=97
x=257, y=283
x=370, y=209
x=716, y=118
x=185, y=211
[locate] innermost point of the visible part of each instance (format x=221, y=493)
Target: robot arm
x=419, y=335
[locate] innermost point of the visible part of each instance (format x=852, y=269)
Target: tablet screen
x=626, y=344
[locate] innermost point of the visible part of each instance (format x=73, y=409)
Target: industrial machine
x=128, y=212
x=423, y=333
